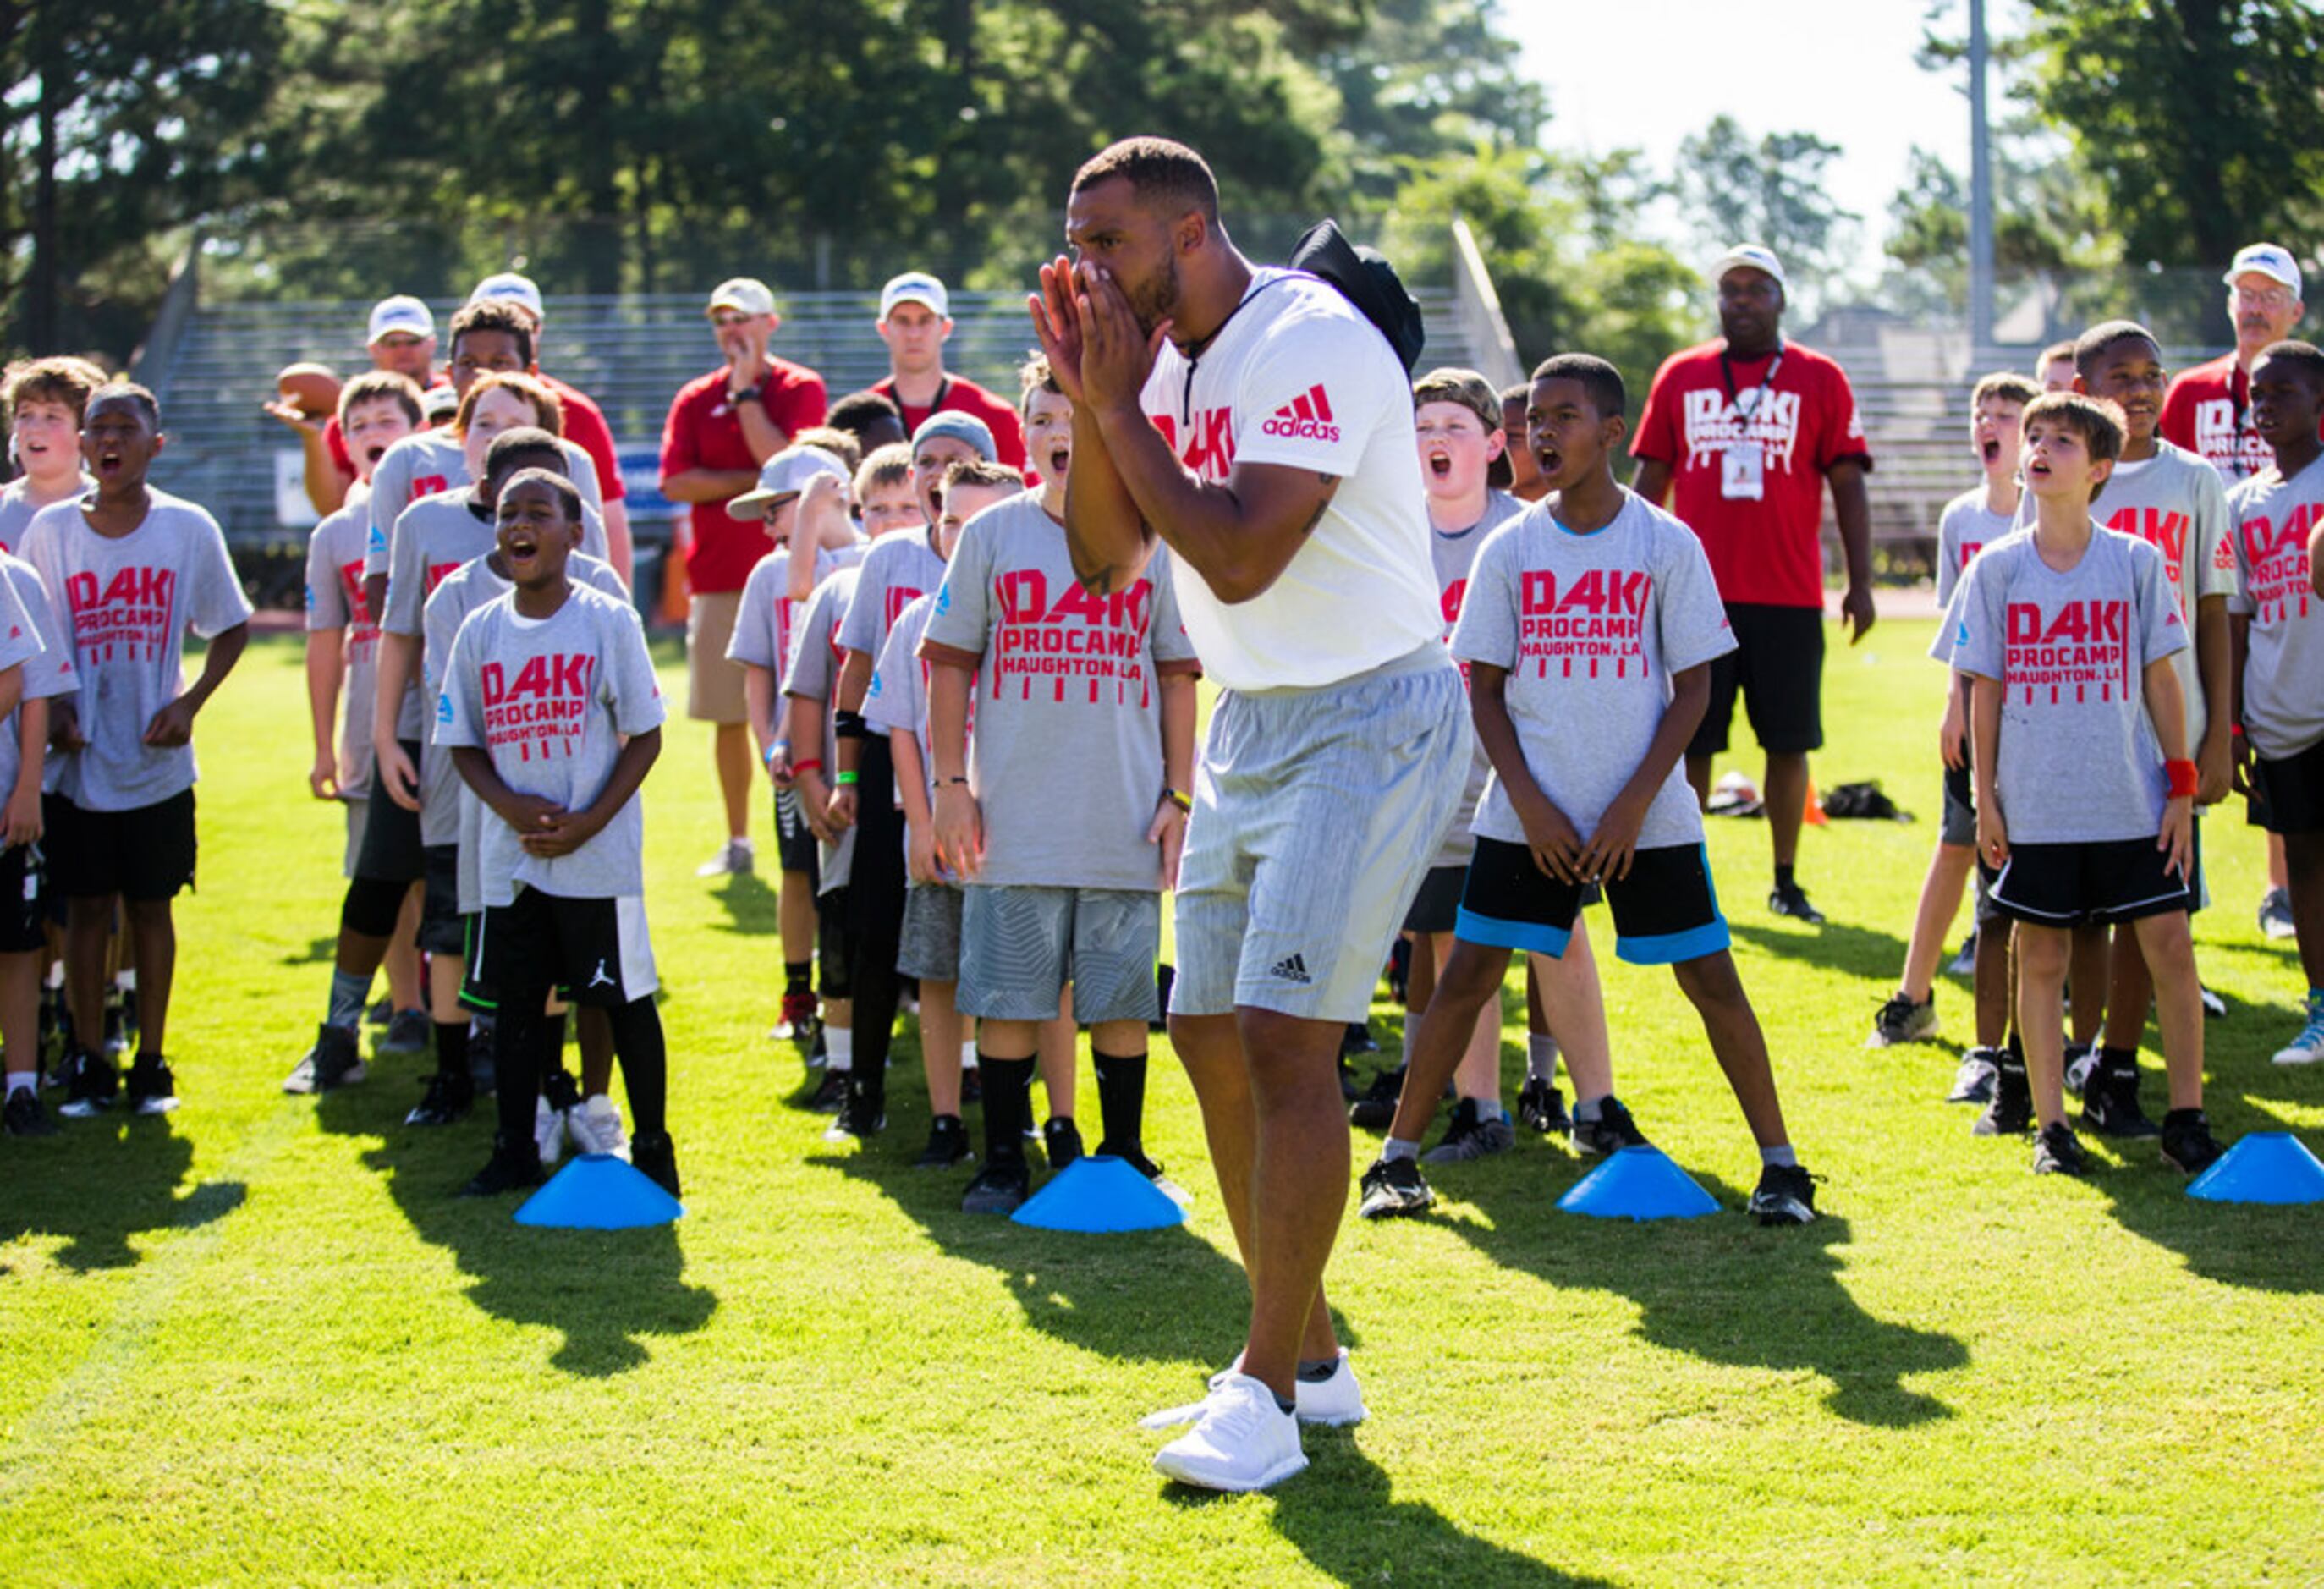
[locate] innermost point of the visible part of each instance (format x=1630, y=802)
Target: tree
x=1735, y=191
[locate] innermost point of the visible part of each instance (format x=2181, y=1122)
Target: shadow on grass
x=1723, y=1289
x=99, y=1182
x=2262, y=1246
x=1836, y=946
x=608, y=1291
x=317, y=952
x=748, y=904
x=1344, y=1515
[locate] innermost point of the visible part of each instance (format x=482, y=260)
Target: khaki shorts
x=714, y=686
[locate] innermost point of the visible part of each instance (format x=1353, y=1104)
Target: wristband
x=1177, y=799
x=2185, y=779
x=847, y=725
x=944, y=781
x=799, y=767
x=845, y=778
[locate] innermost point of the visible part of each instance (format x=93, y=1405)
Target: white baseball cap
x=401, y=313
x=784, y=477
x=508, y=287
x=751, y=296
x=916, y=287
x=1751, y=256
x=2266, y=259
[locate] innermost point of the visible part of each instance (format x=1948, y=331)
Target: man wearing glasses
x=721, y=428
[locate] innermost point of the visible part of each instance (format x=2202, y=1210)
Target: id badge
x=1741, y=473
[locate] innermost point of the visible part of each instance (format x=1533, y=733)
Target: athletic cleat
x=90, y=1085
x=407, y=1033
x=1394, y=1187
x=1242, y=1441
x=515, y=1166
x=2275, y=915
x=1469, y=1136
x=1901, y=1020
x=2308, y=1047
x=2188, y=1144
x=151, y=1088
x=1375, y=1110
x=830, y=1094
x=1786, y=1196
x=2110, y=1102
x=1061, y=1140
x=1543, y=1107
x=2059, y=1151
x=1973, y=1082
x=335, y=1061
x=998, y=1188
x=1788, y=899
x=863, y=1115
x=2010, y=1112
x=2081, y=1063
x=1964, y=960
x=302, y=1079
x=1610, y=1133
x=22, y=1116
x=548, y=1132
x=657, y=1160
x=449, y=1098
x=947, y=1144
x=798, y=1021
x=595, y=1126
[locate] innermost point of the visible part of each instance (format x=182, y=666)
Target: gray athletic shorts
x=1022, y=946
x=1958, y=825
x=1316, y=813
x=930, y=946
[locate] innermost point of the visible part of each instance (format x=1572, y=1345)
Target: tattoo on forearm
x=1098, y=581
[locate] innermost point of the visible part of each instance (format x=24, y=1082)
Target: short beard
x=1158, y=299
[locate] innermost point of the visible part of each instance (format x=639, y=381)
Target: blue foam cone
x=1099, y=1193
x=1638, y=1183
x=598, y=1192
x=2266, y=1166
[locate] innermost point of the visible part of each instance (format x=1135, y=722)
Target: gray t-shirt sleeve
x=635, y=691
x=216, y=604
x=327, y=599
x=460, y=702
x=963, y=618
x=1691, y=618
x=807, y=671
x=2162, y=633
x=51, y=673
x=896, y=702
x=407, y=579
x=2215, y=533
x=1979, y=615
x=391, y=493
x=754, y=643
x=1169, y=630
x=1486, y=631
x=860, y=628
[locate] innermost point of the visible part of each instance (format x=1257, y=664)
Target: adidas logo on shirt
x=1291, y=967
x=1307, y=418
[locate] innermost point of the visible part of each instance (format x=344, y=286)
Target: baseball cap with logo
x=400, y=314
x=510, y=288
x=784, y=477
x=960, y=426
x=1751, y=256
x=2268, y=260
x=916, y=287
x=751, y=296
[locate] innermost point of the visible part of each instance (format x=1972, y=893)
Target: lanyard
x=1727, y=373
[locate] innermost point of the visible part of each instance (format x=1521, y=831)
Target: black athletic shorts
x=24, y=911
x=440, y=929
x=1665, y=911
x=795, y=842
x=1778, y=666
x=592, y=951
x=146, y=853
x=1436, y=907
x=2069, y=884
x=834, y=945
x=2291, y=792
x=391, y=851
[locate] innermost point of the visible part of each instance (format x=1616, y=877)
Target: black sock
x=1284, y=1404
x=517, y=1046
x=2119, y=1061
x=1120, y=1102
x=1783, y=877
x=452, y=1049
x=1008, y=1086
x=799, y=977
x=1314, y=1370
x=645, y=1064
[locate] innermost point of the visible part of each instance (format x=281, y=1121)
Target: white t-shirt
x=2283, y=670
x=1297, y=377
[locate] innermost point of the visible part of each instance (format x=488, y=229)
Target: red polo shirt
x=960, y=395
x=703, y=432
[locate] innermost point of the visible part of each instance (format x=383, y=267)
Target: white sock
x=126, y=981
x=1541, y=1057
x=838, y=1049
x=22, y=1081
x=968, y=1055
x=1398, y=1148
x=55, y=978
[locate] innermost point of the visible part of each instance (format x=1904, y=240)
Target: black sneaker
x=998, y=1188
x=1786, y=1196
x=2110, y=1102
x=830, y=1093
x=2080, y=1064
x=1543, y=1107
x=449, y=1098
x=336, y=1061
x=865, y=1114
x=1134, y=1157
x=151, y=1088
x=1610, y=1133
x=2188, y=1144
x=2059, y=1151
x=515, y=1166
x=561, y=1091
x=22, y=1115
x=381, y=1013
x=2011, y=1111
x=656, y=1160
x=1789, y=899
x=1061, y=1140
x=1394, y=1187
x=1901, y=1020
x=947, y=1144
x=90, y=1084
x=1375, y=1110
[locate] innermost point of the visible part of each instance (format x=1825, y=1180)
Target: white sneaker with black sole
x=1241, y=1441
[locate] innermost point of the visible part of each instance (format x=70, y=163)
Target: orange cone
x=1814, y=815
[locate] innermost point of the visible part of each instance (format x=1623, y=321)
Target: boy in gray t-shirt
x=132, y=570
x=46, y=672
x=808, y=675
x=2085, y=791
x=553, y=715
x=1597, y=608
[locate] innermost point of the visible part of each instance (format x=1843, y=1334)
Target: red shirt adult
x=963, y=396
x=1765, y=549
x=2207, y=411
x=586, y=427
x=703, y=432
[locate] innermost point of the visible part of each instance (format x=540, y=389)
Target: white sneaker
x=1335, y=1403
x=2308, y=1047
x=735, y=859
x=548, y=1132
x=595, y=1127
x=1242, y=1441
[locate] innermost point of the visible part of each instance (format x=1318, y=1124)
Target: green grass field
x=259, y=1341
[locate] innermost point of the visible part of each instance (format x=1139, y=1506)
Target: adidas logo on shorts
x=1291, y=968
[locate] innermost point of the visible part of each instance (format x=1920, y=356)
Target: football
x=314, y=388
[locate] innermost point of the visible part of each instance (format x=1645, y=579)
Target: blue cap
x=960, y=426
